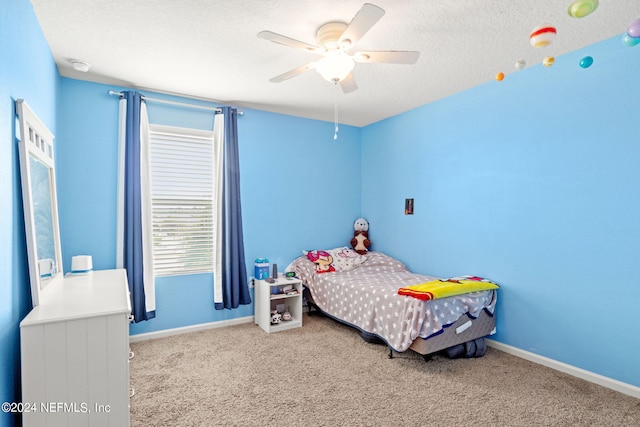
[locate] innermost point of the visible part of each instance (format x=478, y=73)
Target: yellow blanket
x=447, y=287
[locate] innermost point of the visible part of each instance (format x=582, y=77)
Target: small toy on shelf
x=275, y=317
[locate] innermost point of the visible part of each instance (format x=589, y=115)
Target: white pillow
x=345, y=258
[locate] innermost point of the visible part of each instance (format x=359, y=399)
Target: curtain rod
x=180, y=104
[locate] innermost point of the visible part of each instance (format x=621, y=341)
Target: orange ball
x=500, y=77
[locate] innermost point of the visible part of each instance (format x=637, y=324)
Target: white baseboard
x=187, y=329
x=616, y=385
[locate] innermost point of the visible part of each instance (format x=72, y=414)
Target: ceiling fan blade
x=294, y=72
x=348, y=84
x=366, y=18
x=288, y=41
x=387, y=56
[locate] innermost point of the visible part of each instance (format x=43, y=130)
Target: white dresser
x=75, y=353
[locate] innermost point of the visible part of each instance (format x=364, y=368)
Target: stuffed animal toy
x=275, y=317
x=360, y=241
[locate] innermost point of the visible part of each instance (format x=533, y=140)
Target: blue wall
x=87, y=156
x=532, y=182
x=299, y=188
x=27, y=71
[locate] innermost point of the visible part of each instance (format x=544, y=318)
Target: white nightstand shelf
x=270, y=295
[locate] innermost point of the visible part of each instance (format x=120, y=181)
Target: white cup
x=81, y=264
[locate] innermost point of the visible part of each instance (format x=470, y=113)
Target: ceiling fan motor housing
x=328, y=36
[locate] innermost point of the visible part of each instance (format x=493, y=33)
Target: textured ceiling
x=208, y=49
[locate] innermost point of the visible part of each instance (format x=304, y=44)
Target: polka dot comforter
x=367, y=297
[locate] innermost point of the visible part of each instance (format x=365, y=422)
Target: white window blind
x=182, y=202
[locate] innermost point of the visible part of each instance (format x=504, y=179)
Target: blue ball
x=586, y=62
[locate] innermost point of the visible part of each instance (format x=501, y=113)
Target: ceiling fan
x=334, y=41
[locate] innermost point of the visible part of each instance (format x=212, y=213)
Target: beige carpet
x=324, y=374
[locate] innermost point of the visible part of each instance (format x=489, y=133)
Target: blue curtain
x=133, y=254
x=235, y=289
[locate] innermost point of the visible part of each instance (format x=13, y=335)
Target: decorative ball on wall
x=542, y=35
x=634, y=29
x=520, y=64
x=548, y=61
x=582, y=8
x=586, y=62
x=500, y=77
x=630, y=41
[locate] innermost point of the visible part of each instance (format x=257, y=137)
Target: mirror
x=40, y=203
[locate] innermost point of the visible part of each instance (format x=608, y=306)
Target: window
x=181, y=162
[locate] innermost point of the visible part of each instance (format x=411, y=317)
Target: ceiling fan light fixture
x=335, y=66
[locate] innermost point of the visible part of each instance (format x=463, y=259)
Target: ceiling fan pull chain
x=335, y=116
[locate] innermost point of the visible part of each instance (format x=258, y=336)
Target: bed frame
x=464, y=331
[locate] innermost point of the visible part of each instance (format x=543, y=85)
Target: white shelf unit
x=75, y=353
x=269, y=295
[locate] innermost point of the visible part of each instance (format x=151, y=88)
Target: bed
x=363, y=291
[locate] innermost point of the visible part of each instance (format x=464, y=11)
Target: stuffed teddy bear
x=360, y=241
